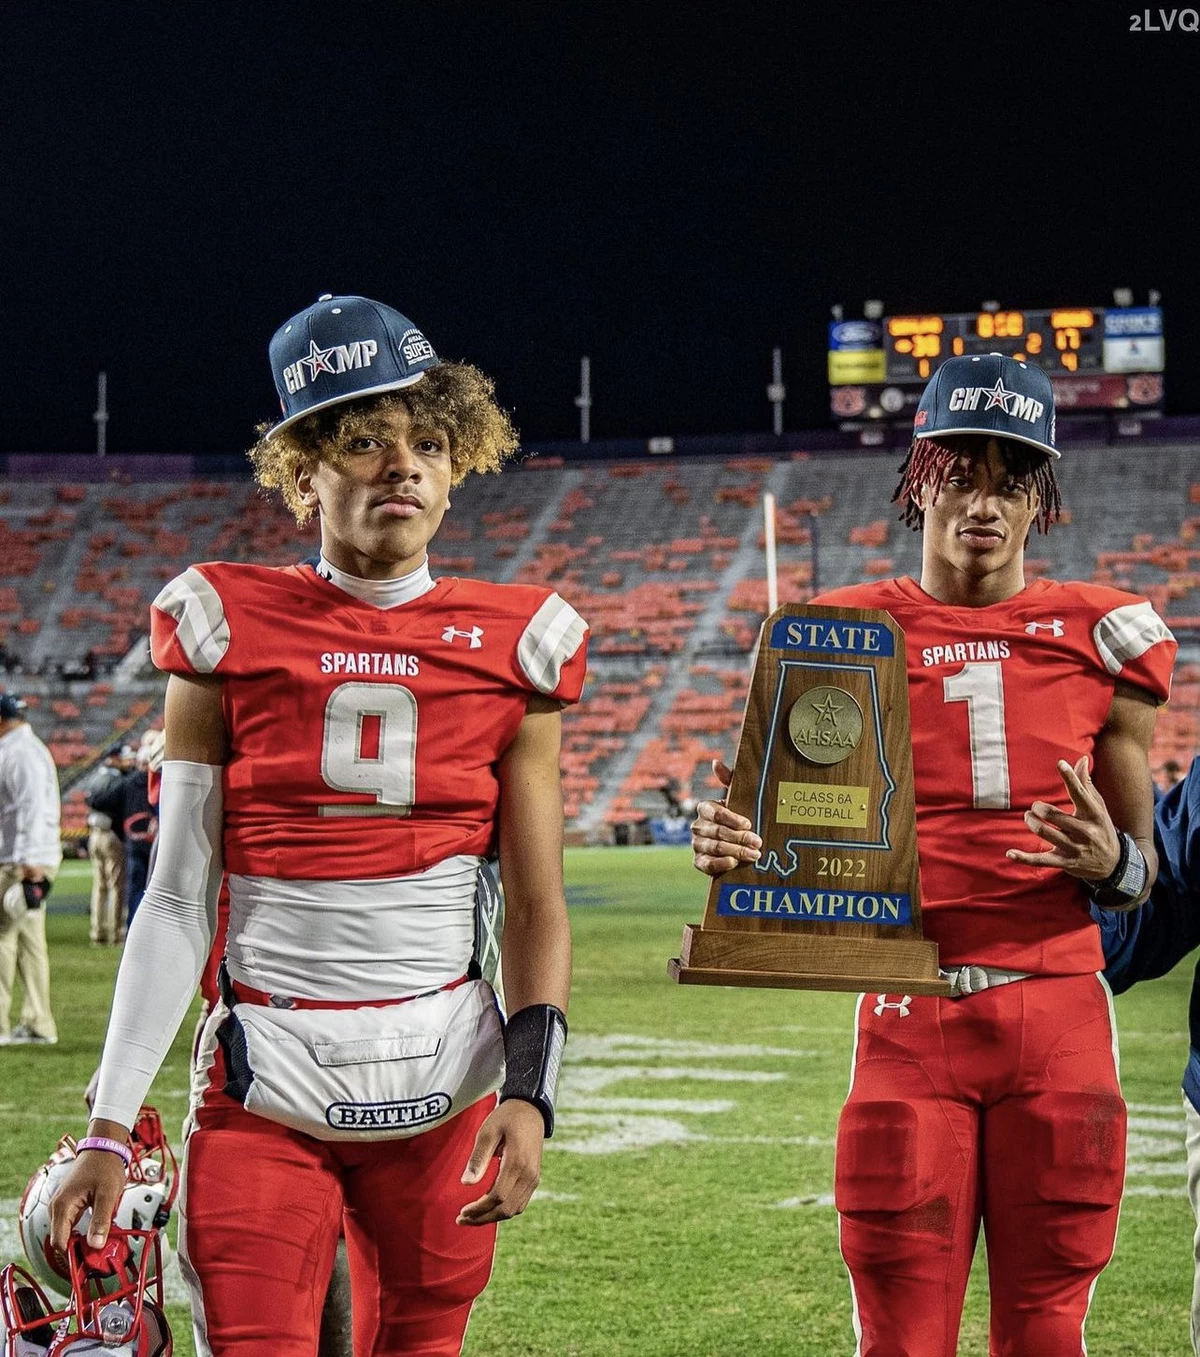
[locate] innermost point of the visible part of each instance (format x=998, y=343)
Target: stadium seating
x=664, y=559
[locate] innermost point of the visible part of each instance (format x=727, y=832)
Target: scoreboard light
x=915, y=325
x=918, y=338
x=1000, y=324
x=1073, y=320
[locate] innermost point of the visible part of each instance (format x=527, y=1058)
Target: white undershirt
x=353, y=940
x=379, y=593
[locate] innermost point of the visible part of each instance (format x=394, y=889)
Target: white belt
x=972, y=979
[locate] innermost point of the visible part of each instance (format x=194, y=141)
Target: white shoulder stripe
x=1127, y=633
x=553, y=635
x=200, y=622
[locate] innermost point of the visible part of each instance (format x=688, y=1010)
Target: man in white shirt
x=30, y=853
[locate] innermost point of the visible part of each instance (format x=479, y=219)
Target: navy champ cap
x=342, y=348
x=12, y=707
x=989, y=394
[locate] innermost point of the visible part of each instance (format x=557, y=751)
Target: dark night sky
x=671, y=188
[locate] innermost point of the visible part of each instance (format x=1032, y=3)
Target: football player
x=1033, y=707
x=348, y=740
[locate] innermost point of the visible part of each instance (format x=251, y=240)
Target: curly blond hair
x=453, y=397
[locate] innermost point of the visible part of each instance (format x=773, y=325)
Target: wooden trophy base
x=803, y=961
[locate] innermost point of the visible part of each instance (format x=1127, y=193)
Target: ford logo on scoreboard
x=855, y=334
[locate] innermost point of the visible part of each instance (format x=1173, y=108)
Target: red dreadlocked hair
x=929, y=462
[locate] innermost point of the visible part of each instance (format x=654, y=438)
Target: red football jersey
x=998, y=695
x=364, y=741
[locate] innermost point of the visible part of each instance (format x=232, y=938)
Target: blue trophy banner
x=833, y=636
x=825, y=906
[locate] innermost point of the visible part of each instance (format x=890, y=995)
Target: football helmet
x=153, y=1158
x=115, y=1305
x=145, y=1203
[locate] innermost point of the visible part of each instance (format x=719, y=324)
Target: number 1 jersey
x=998, y=695
x=364, y=741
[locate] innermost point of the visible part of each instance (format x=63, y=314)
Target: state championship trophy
x=824, y=773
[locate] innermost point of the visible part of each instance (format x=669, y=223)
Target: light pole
x=584, y=400
x=101, y=415
x=777, y=392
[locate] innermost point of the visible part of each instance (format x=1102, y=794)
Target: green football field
x=685, y=1205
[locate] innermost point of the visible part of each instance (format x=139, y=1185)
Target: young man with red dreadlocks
x=1033, y=707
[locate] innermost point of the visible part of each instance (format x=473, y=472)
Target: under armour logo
x=474, y=636
x=1055, y=628
x=901, y=1007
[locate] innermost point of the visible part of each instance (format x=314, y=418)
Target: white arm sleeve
x=168, y=942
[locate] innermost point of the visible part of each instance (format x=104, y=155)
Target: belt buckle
x=977, y=979
x=966, y=980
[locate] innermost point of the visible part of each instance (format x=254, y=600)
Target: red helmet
x=115, y=1308
x=153, y=1159
x=144, y=1204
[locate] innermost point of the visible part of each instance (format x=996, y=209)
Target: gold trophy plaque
x=824, y=774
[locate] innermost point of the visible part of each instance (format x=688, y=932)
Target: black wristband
x=533, y=1049
x=1127, y=881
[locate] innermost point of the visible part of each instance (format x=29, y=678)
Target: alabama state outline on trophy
x=824, y=773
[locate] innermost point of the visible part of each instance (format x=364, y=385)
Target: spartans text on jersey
x=369, y=662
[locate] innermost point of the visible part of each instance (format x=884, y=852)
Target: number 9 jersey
x=998, y=695
x=363, y=741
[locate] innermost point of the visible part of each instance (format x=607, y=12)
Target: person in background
x=1169, y=775
x=30, y=854
x=141, y=823
x=106, y=849
x=1147, y=942
x=135, y=821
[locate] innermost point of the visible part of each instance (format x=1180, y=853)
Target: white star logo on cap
x=997, y=395
x=317, y=360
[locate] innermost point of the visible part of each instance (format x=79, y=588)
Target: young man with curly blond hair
x=349, y=741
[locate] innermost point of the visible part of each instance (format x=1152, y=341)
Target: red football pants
x=1002, y=1107
x=261, y=1212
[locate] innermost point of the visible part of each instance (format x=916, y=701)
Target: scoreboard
x=1060, y=341
x=1097, y=358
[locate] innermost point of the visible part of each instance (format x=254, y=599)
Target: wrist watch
x=1126, y=882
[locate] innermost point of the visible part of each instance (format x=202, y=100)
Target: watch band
x=1127, y=881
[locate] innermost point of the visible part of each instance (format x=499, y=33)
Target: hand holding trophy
x=824, y=776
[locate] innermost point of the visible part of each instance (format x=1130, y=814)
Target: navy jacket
x=1148, y=942
x=126, y=801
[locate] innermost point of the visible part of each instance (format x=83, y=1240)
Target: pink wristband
x=116, y=1147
